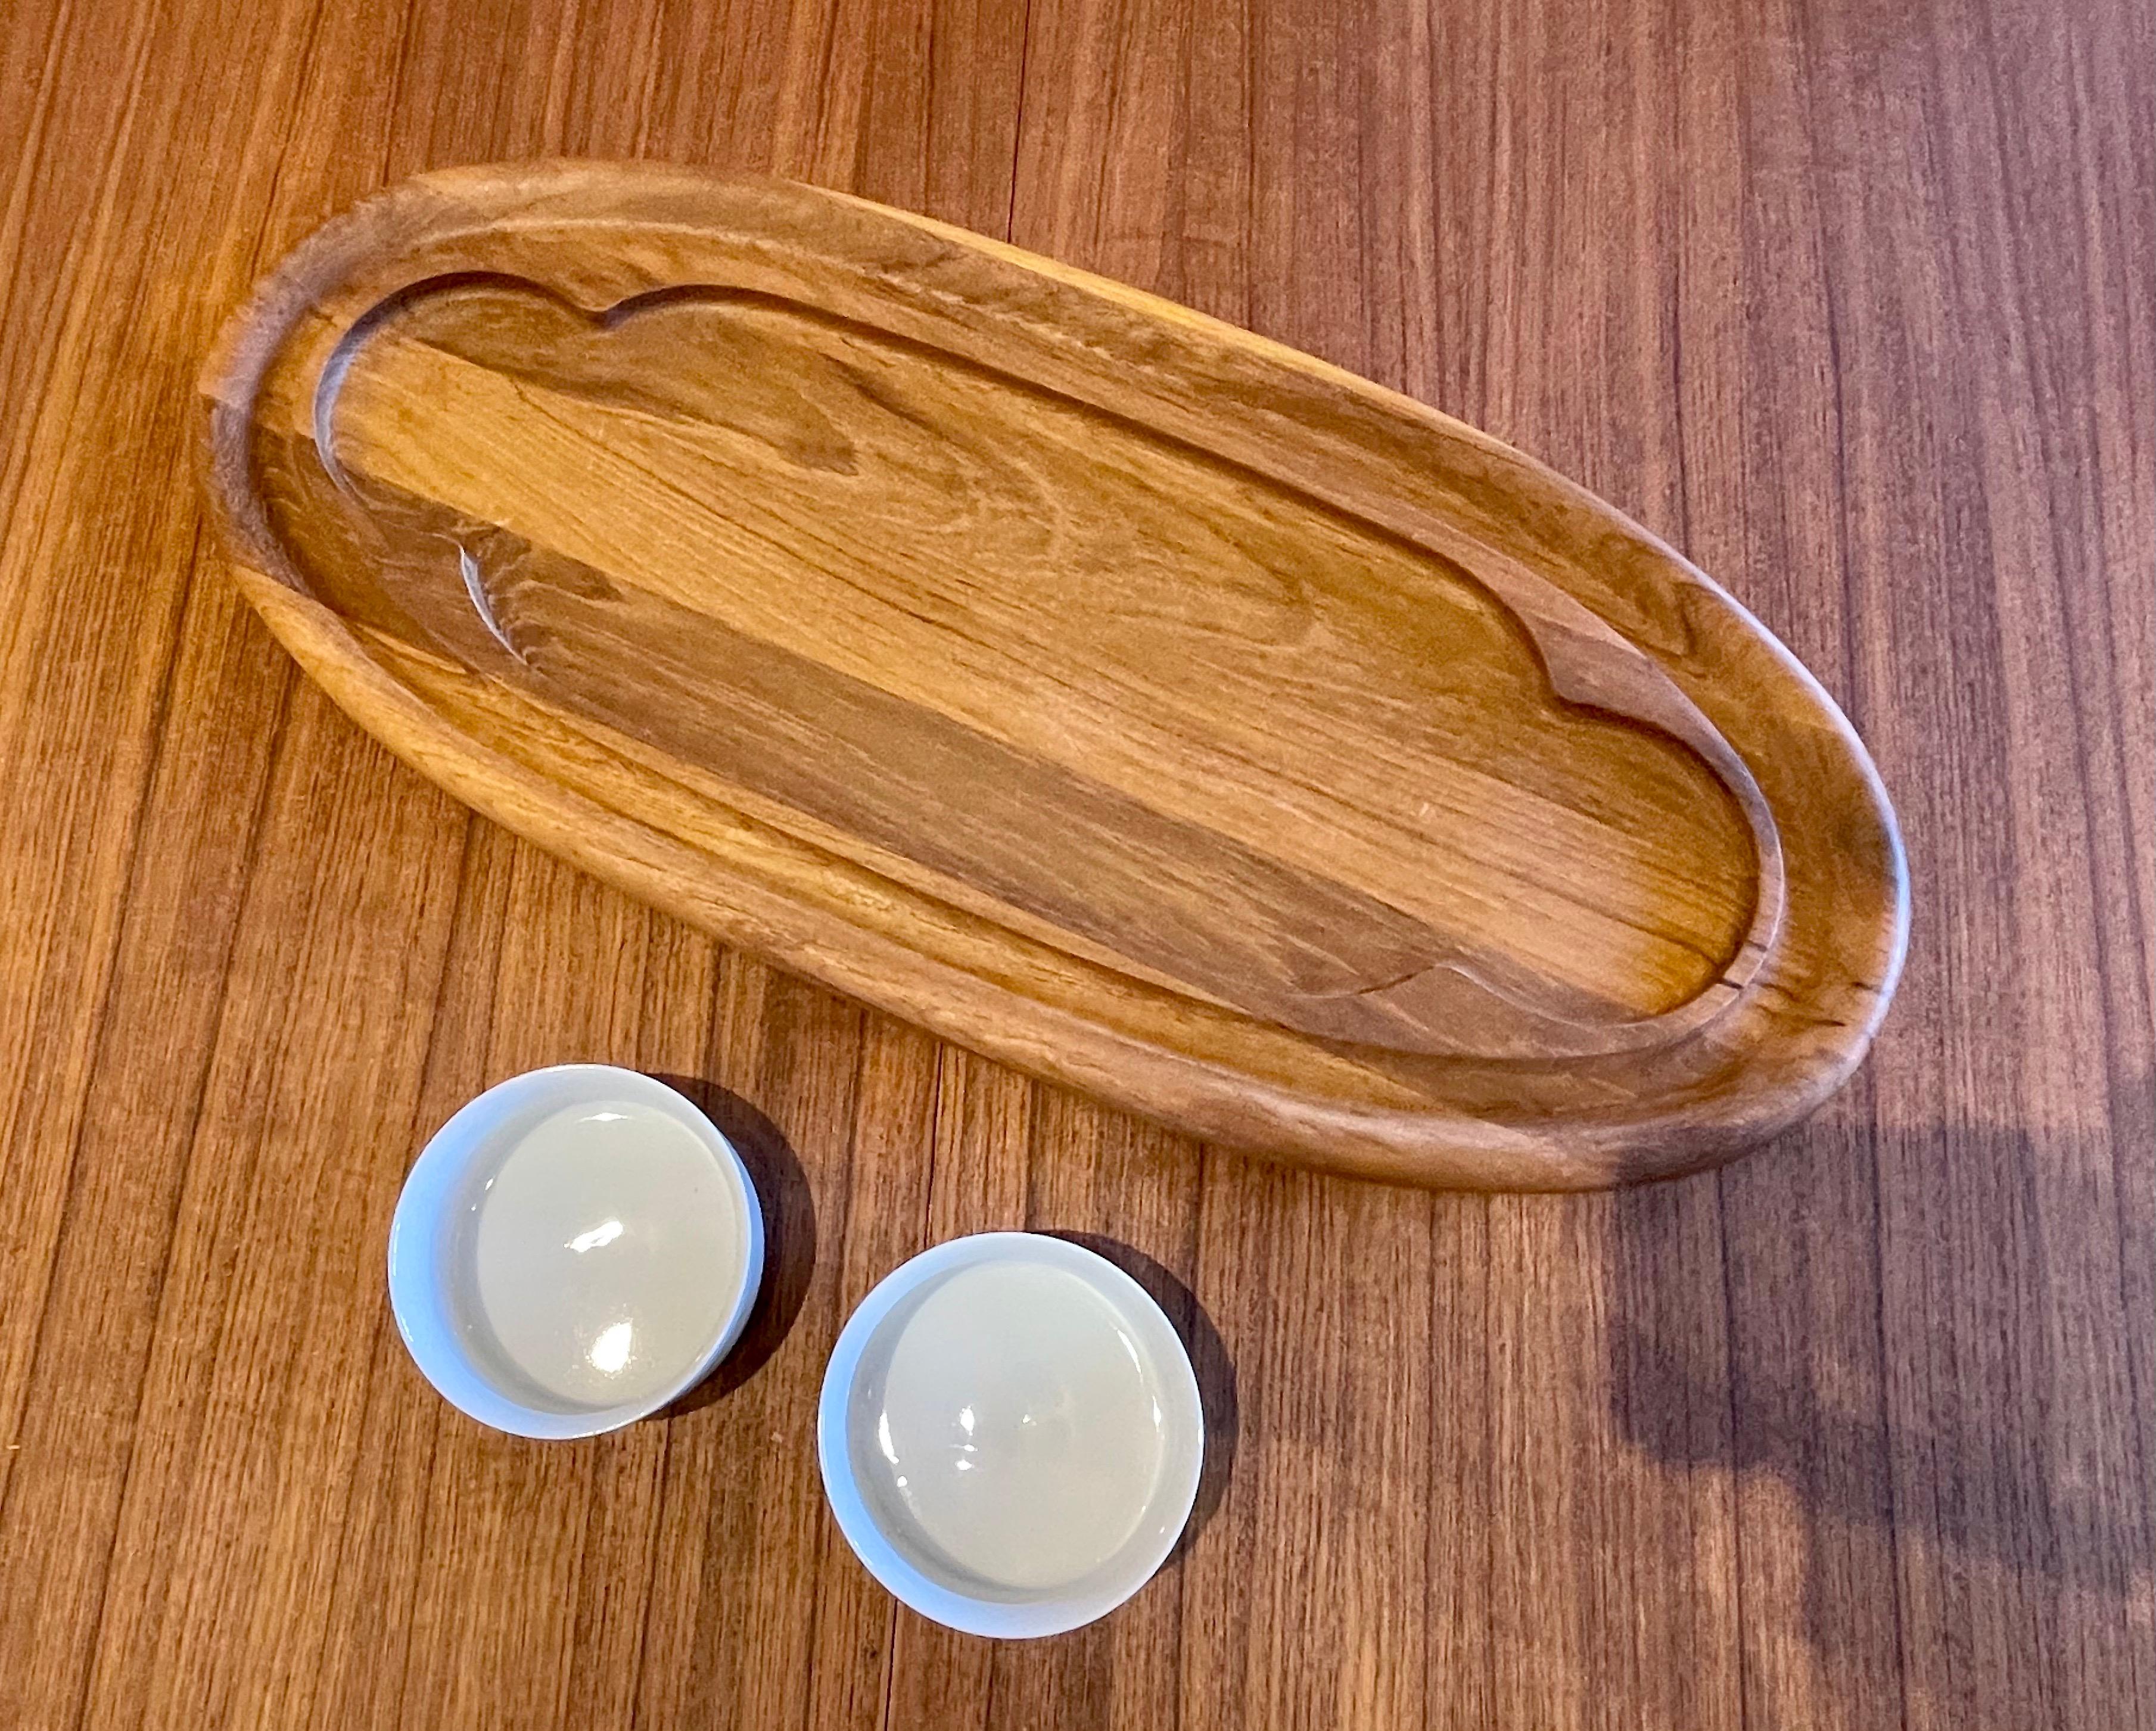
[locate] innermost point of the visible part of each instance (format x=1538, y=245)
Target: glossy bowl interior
x=1011, y=1434
x=455, y=1325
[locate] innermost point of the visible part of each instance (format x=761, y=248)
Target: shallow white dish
x=574, y=1248
x=1010, y=1435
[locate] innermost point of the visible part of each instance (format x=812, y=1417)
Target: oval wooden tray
x=1152, y=706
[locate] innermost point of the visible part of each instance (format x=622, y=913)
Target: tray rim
x=1426, y=1145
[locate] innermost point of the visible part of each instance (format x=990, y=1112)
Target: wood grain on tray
x=1146, y=704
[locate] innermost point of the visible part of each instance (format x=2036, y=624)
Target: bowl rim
x=426, y=1202
x=1049, y=1613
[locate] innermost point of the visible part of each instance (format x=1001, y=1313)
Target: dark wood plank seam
x=419, y=1563
x=1034, y=1115
x=1252, y=60
x=34, y=148
x=708, y=1062
x=396, y=90
x=472, y=833
x=820, y=127
x=928, y=111
x=554, y=92
x=1186, y=1567
x=935, y=1129
x=1856, y=695
x=1733, y=1481
x=1868, y=1114
x=889, y=1664
x=1732, y=1475
x=412, y=1131
x=1175, y=218
x=1676, y=312
x=1035, y=1131
x=1358, y=213
x=303, y=74
x=1475, y=389
x=640, y=133
x=367, y=1404
x=589, y=1468
x=923, y=1239
x=1098, y=200
x=1488, y=1207
x=826, y=1527
x=654, y=1546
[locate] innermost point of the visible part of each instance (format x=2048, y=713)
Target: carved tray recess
x=1126, y=697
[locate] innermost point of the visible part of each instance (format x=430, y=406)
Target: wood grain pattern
x=1142, y=703
x=1851, y=303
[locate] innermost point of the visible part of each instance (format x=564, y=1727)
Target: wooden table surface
x=1854, y=300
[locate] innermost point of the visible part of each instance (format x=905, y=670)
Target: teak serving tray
x=1129, y=697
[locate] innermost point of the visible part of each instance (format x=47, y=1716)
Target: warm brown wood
x=1150, y=705
x=1849, y=302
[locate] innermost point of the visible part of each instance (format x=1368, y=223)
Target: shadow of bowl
x=789, y=1237
x=1208, y=1358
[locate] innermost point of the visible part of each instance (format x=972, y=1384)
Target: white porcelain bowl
x=574, y=1250
x=1010, y=1435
